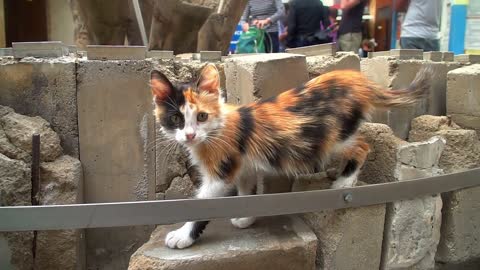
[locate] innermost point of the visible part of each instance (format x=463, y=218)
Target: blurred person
x=304, y=20
x=332, y=28
x=265, y=14
x=350, y=30
x=282, y=26
x=421, y=25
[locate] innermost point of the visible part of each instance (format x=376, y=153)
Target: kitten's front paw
x=242, y=223
x=179, y=239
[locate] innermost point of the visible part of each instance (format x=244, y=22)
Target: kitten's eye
x=202, y=117
x=175, y=119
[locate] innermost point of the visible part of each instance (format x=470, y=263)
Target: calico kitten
x=291, y=133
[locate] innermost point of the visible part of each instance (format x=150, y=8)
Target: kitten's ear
x=209, y=80
x=161, y=86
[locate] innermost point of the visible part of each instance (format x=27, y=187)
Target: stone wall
x=459, y=246
x=125, y=158
x=60, y=183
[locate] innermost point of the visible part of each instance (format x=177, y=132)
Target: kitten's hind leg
x=191, y=231
x=355, y=155
x=246, y=185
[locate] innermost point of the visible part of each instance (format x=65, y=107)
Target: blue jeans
x=275, y=45
x=424, y=44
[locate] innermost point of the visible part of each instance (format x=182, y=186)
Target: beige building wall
x=60, y=21
x=2, y=25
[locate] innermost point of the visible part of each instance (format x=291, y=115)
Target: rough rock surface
x=19, y=129
x=271, y=243
x=318, y=65
x=61, y=184
x=382, y=160
x=180, y=188
x=412, y=227
x=15, y=190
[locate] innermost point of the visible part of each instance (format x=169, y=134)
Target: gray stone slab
x=160, y=54
x=102, y=52
x=405, y=54
x=39, y=49
x=6, y=52
x=433, y=56
x=448, y=56
x=323, y=49
x=251, y=78
x=271, y=243
x=467, y=58
x=116, y=127
x=210, y=56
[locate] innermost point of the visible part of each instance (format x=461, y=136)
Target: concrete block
x=322, y=49
x=398, y=74
x=462, y=149
x=45, y=88
x=412, y=227
x=116, y=127
x=382, y=159
x=103, y=52
x=160, y=54
x=467, y=58
x=251, y=78
x=39, y=49
x=405, y=54
x=448, y=56
x=6, y=52
x=210, y=56
x=348, y=238
x=463, y=96
x=272, y=243
x=459, y=246
x=433, y=56
x=377, y=54
x=318, y=65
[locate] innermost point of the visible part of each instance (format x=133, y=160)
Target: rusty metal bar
x=35, y=167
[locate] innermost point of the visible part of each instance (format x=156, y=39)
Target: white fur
x=180, y=238
x=245, y=185
x=345, y=182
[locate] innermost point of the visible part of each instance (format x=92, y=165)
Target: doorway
x=25, y=20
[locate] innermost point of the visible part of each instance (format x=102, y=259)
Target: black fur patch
x=350, y=168
x=246, y=126
x=226, y=168
x=350, y=122
x=172, y=107
x=198, y=227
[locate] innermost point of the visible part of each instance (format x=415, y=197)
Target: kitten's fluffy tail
x=418, y=89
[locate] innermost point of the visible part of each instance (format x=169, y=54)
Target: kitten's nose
x=190, y=136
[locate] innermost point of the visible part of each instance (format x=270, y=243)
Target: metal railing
x=96, y=215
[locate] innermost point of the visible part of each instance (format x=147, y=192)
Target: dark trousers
x=275, y=43
x=424, y=44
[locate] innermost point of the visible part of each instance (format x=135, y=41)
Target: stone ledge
x=271, y=243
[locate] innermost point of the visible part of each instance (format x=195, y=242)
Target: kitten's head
x=188, y=113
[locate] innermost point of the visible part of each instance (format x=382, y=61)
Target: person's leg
x=274, y=42
x=432, y=45
x=344, y=42
x=356, y=42
x=412, y=43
